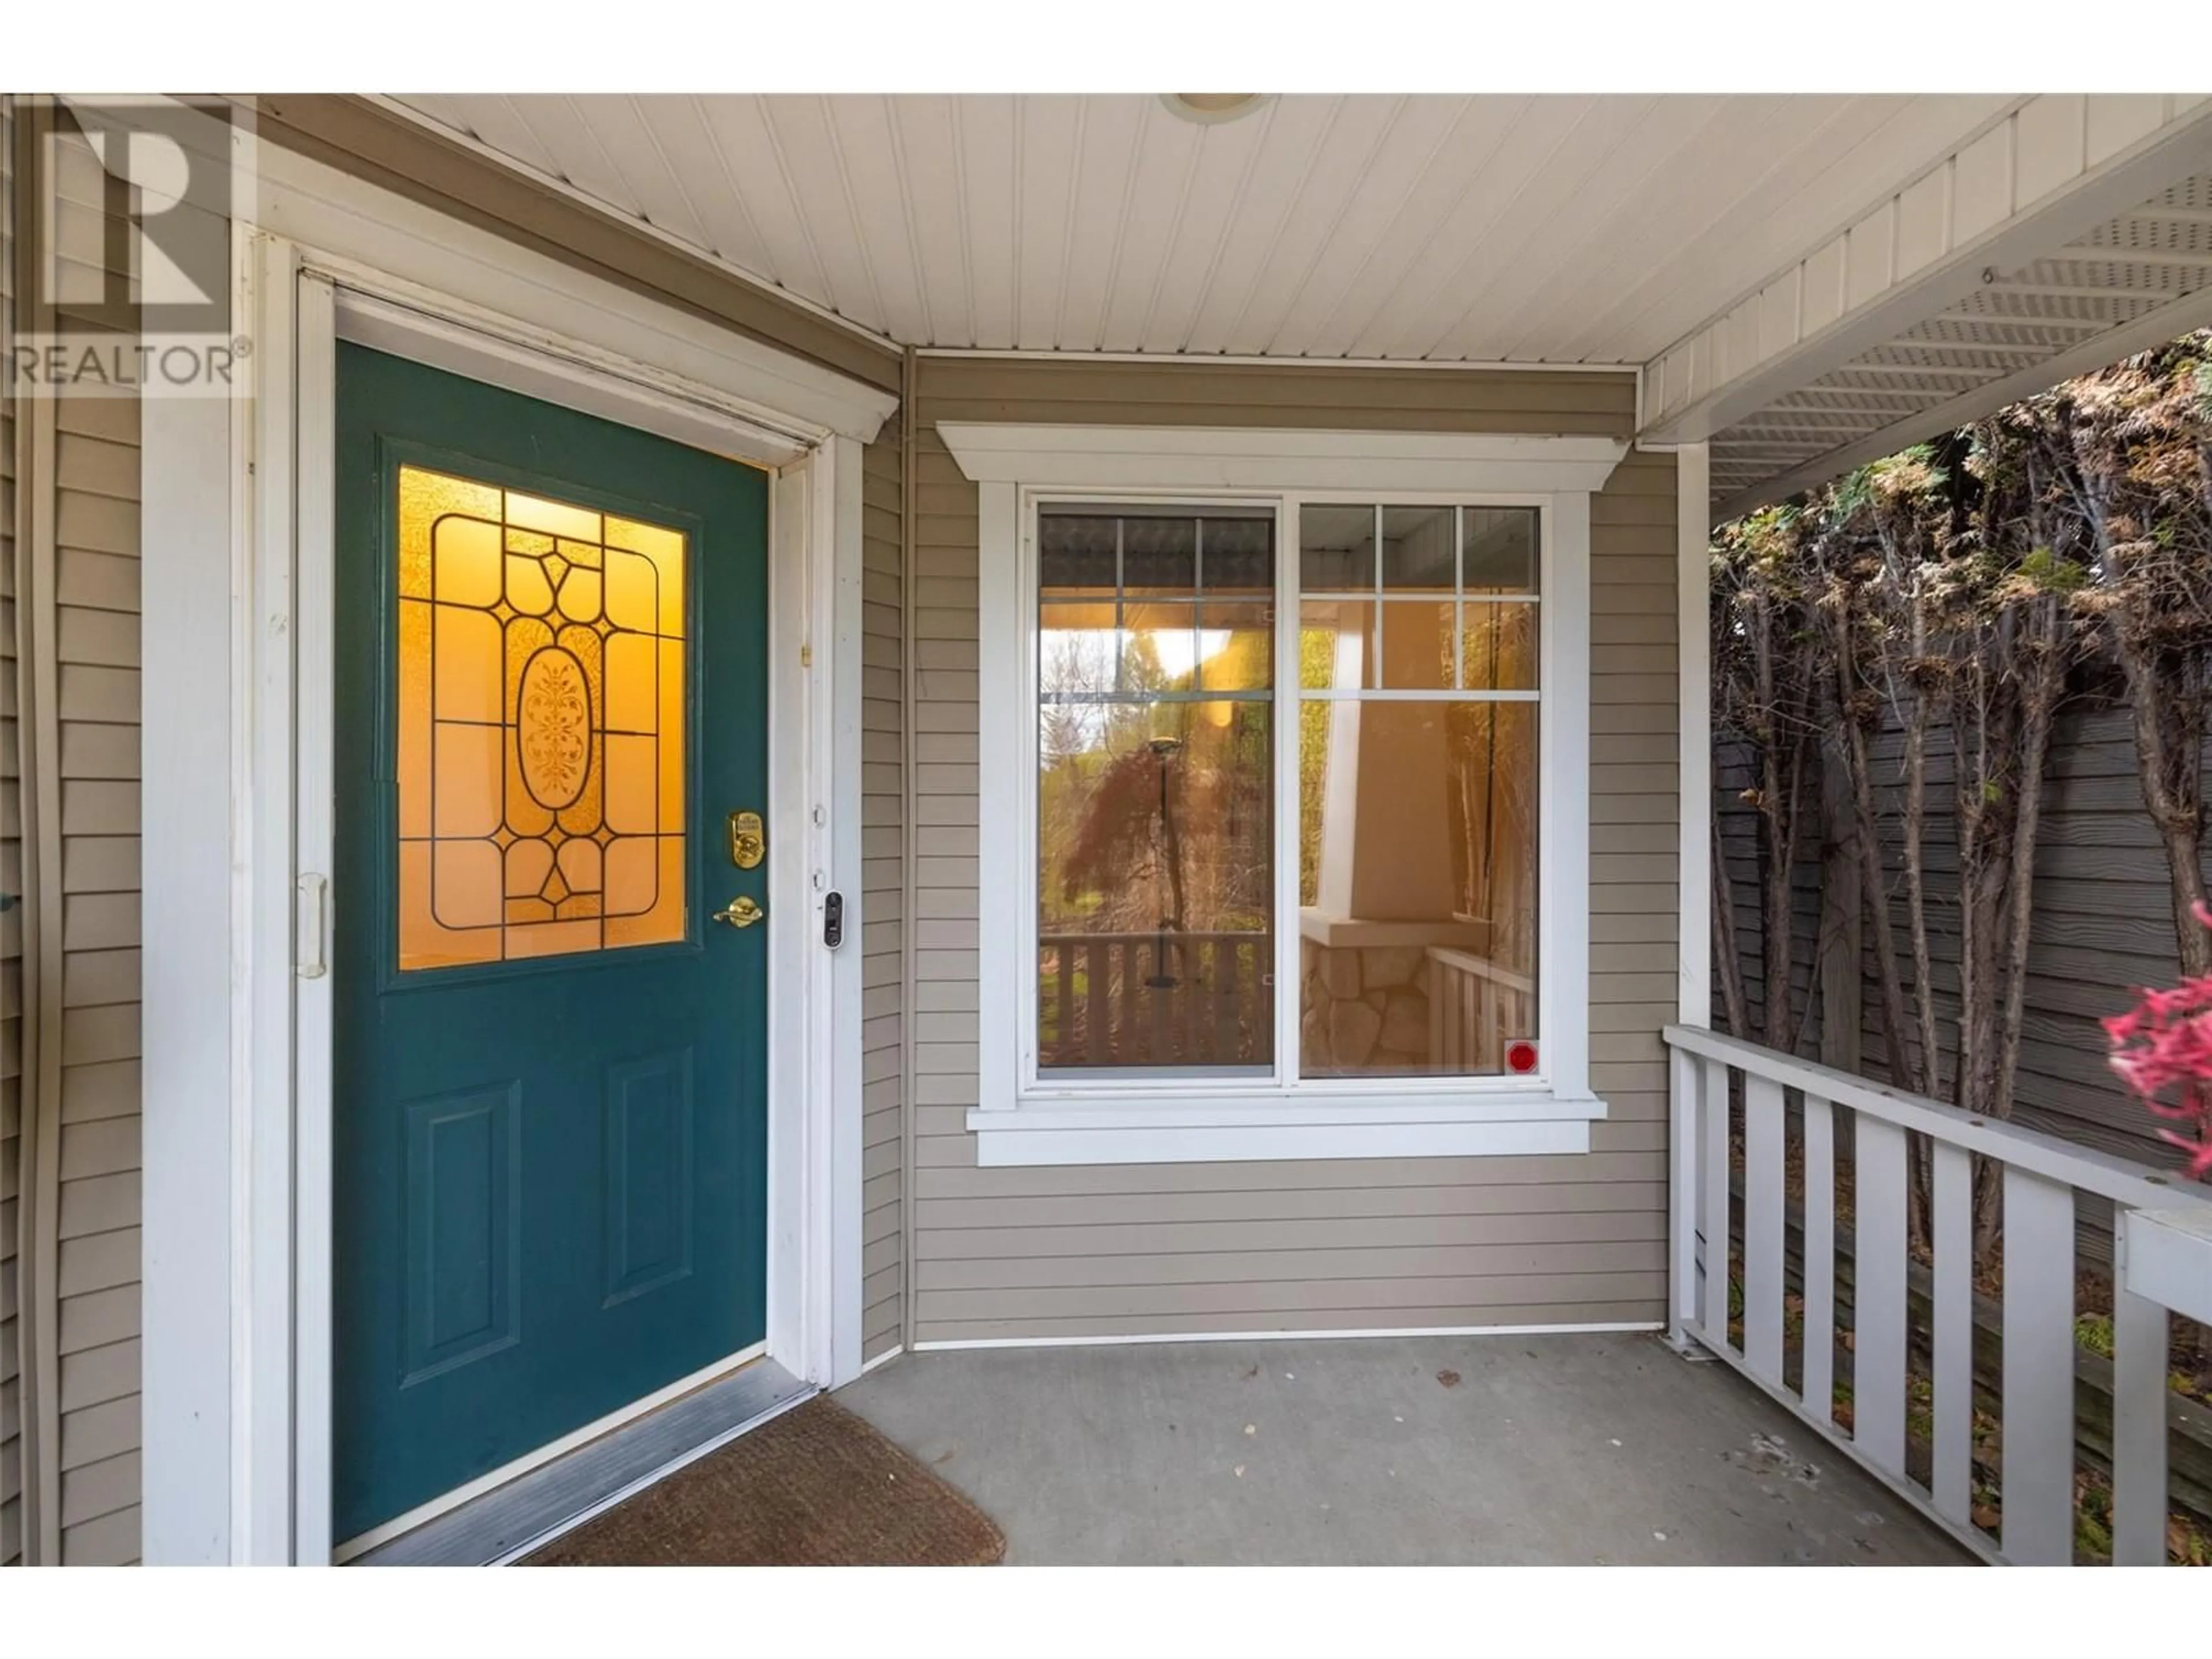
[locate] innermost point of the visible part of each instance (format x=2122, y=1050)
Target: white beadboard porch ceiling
x=1559, y=229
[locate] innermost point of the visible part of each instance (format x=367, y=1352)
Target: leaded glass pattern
x=540, y=764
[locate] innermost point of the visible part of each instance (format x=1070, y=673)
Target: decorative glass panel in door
x=540, y=726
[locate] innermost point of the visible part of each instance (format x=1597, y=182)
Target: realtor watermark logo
x=136, y=198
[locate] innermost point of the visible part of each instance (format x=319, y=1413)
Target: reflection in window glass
x=1418, y=871
x=1154, y=791
x=1336, y=644
x=1417, y=830
x=1416, y=654
x=1501, y=548
x=1416, y=548
x=1498, y=646
x=1336, y=550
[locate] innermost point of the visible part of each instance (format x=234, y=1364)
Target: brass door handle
x=740, y=912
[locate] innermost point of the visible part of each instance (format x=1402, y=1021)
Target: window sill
x=1188, y=1132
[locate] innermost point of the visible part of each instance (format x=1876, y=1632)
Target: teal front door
x=550, y=1136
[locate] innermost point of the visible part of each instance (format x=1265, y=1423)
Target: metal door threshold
x=509, y=1522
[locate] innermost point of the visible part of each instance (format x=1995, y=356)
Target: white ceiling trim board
x=1248, y=359
x=1273, y=458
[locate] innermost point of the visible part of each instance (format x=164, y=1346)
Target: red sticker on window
x=1521, y=1058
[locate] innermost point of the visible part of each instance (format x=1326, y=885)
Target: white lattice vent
x=1952, y=380
x=2135, y=275
x=2008, y=335
x=1818, y=432
x=2182, y=237
x=2027, y=302
x=1966, y=353
x=2192, y=195
x=1841, y=400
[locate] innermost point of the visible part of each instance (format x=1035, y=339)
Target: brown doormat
x=815, y=1487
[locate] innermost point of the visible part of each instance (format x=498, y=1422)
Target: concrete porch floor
x=1468, y=1450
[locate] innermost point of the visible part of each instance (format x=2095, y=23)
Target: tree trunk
x=2045, y=670
x=1902, y=1072
x=1727, y=948
x=1841, y=966
x=2169, y=765
x=1916, y=885
x=1783, y=1021
x=1920, y=1192
x=1775, y=789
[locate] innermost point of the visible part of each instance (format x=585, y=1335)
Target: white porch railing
x=1476, y=1008
x=1787, y=1107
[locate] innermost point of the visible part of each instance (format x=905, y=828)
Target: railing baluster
x=1818, y=1375
x=2039, y=1369
x=1892, y=1337
x=1685, y=1122
x=1714, y=1320
x=1063, y=1025
x=1762, y=1228
x=2139, y=1390
x=1189, y=996
x=1952, y=1413
x=1228, y=974
x=1098, y=964
x=1878, y=1295
x=1129, y=1036
x=1198, y=1023
x=1160, y=1007
x=1255, y=999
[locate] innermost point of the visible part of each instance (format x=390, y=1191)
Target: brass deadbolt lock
x=747, y=840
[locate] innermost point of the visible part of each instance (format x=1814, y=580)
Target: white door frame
x=237, y=1388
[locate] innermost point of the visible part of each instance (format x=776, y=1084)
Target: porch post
x=1694, y=879
x=1694, y=724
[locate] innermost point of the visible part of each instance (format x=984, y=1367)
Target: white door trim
x=237, y=1360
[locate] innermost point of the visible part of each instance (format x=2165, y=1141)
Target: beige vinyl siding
x=11, y=922
x=1381, y=1244
x=96, y=655
x=73, y=814
x=883, y=886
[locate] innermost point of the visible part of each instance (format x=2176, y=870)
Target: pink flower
x=2162, y=1049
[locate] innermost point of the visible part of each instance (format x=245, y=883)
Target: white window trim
x=1018, y=1120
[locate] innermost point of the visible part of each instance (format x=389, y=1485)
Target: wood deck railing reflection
x=1476, y=1008
x=1155, y=999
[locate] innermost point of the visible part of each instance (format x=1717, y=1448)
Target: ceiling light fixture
x=1209, y=108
